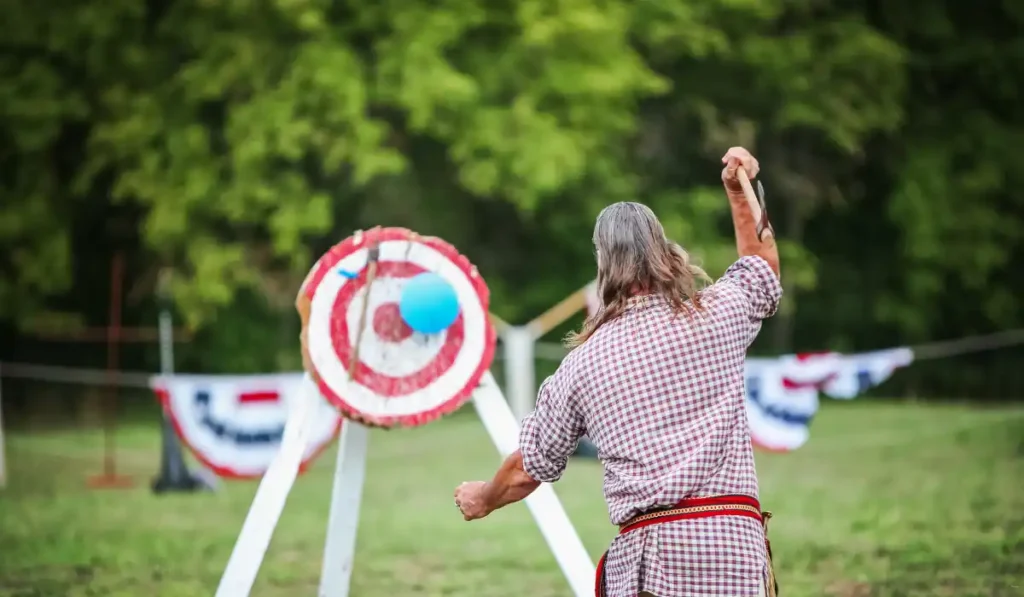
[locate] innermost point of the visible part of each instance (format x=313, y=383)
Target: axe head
x=763, y=224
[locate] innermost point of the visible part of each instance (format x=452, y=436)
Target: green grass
x=886, y=500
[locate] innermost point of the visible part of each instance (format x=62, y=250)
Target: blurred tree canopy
x=231, y=141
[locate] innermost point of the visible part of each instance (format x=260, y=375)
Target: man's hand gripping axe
x=757, y=206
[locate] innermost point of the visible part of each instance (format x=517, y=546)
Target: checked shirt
x=661, y=396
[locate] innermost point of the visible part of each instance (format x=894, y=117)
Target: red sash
x=723, y=505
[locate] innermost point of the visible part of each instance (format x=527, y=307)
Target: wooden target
x=366, y=360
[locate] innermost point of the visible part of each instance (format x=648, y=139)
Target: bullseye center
x=389, y=325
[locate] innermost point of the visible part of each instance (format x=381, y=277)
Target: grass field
x=893, y=500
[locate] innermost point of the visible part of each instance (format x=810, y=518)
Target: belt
x=723, y=505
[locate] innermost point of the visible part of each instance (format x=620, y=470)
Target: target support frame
x=350, y=469
x=346, y=502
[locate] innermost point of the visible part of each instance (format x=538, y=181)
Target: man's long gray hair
x=634, y=257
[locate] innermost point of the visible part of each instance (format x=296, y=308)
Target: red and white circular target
x=399, y=377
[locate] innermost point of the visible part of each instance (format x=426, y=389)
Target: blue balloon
x=428, y=303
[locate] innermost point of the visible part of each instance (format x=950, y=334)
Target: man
x=656, y=381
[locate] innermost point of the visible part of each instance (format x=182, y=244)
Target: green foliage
x=956, y=190
x=249, y=135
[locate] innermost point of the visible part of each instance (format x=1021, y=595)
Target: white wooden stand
x=346, y=498
x=544, y=505
x=343, y=521
x=267, y=505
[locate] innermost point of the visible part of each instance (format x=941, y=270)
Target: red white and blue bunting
x=783, y=392
x=234, y=424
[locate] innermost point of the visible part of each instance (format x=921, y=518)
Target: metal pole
x=110, y=478
x=166, y=331
x=174, y=473
x=113, y=338
x=520, y=376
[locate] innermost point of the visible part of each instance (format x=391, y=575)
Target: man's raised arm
x=747, y=240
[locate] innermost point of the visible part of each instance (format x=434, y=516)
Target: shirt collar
x=642, y=301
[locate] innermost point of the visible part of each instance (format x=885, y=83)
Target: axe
x=757, y=206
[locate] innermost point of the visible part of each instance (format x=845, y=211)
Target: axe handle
x=748, y=192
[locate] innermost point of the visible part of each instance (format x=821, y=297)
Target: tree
x=954, y=183
x=249, y=135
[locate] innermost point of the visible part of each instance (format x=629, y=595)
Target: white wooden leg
x=267, y=505
x=349, y=474
x=544, y=505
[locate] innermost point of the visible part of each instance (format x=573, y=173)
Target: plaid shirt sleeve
x=551, y=432
x=761, y=288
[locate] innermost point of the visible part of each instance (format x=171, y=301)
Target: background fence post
x=174, y=473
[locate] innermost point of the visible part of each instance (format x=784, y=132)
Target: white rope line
x=72, y=375
x=970, y=344
x=543, y=350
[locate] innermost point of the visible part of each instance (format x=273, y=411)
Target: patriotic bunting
x=782, y=392
x=233, y=424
